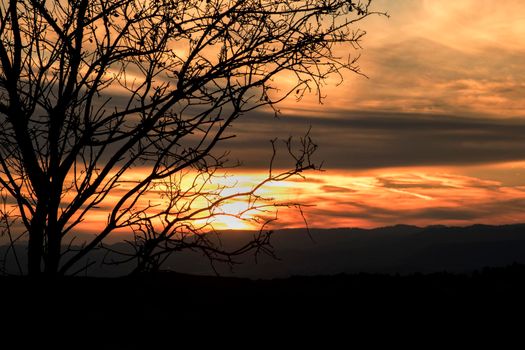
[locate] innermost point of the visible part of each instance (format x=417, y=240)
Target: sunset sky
x=161, y=123
x=435, y=135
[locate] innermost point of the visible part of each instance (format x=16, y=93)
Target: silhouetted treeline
x=438, y=304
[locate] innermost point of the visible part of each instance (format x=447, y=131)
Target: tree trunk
x=54, y=240
x=36, y=241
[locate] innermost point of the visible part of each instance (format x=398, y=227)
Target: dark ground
x=440, y=309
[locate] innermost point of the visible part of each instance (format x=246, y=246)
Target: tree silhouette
x=94, y=92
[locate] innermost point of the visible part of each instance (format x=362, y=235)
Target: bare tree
x=92, y=91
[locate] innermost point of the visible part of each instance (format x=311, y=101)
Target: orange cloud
x=461, y=57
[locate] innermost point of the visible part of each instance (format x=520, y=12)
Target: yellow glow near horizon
x=342, y=198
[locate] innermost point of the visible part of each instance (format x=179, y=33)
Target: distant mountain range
x=396, y=249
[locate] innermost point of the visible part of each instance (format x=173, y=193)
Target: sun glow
x=237, y=216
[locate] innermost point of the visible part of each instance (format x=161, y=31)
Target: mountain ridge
x=391, y=249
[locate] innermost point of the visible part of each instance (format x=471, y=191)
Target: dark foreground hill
x=373, y=309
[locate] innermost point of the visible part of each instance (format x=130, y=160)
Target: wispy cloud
x=410, y=197
x=463, y=57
